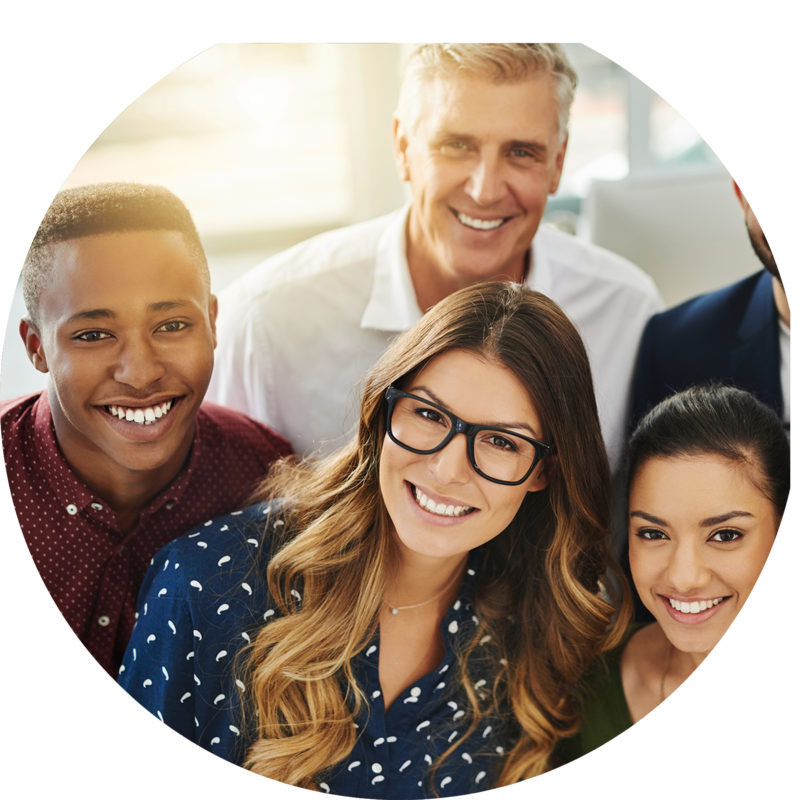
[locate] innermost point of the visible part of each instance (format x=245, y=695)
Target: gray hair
x=500, y=63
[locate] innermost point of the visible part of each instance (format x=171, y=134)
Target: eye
x=501, y=442
x=173, y=326
x=725, y=536
x=521, y=152
x=453, y=147
x=651, y=535
x=431, y=414
x=92, y=336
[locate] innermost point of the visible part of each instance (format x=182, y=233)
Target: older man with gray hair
x=480, y=135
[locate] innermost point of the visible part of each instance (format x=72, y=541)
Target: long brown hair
x=540, y=590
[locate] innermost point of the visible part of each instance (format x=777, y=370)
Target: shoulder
x=322, y=283
x=213, y=556
x=232, y=430
x=315, y=259
x=18, y=426
x=15, y=409
x=724, y=306
x=571, y=255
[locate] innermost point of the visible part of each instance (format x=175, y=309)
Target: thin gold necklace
x=397, y=609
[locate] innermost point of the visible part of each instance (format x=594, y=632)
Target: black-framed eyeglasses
x=423, y=427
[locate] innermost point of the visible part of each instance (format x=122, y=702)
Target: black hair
x=720, y=420
x=105, y=208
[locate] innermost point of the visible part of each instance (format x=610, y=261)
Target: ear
x=213, y=308
x=400, y=142
x=740, y=197
x=559, y=165
x=33, y=344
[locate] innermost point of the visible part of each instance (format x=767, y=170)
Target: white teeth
x=696, y=606
x=480, y=224
x=140, y=416
x=440, y=508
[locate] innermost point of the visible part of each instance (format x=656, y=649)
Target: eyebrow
x=649, y=517
x=107, y=313
x=502, y=425
x=708, y=522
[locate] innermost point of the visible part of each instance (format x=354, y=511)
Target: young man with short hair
x=118, y=456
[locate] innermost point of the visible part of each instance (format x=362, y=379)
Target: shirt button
x=72, y=509
x=169, y=506
x=97, y=506
x=104, y=621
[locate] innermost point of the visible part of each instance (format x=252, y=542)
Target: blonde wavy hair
x=538, y=591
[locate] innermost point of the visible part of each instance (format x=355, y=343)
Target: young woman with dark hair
x=708, y=483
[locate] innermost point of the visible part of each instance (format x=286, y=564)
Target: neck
x=126, y=491
x=433, y=281
x=781, y=303
x=678, y=666
x=417, y=580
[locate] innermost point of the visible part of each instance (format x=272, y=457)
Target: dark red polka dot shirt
x=93, y=571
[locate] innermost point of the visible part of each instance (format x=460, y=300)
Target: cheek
x=389, y=465
x=507, y=505
x=533, y=199
x=195, y=361
x=644, y=566
x=73, y=375
x=745, y=579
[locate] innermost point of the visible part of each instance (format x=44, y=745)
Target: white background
x=68, y=69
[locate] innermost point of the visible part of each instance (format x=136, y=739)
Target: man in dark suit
x=737, y=335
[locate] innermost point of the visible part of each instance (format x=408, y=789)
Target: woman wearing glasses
x=410, y=616
x=709, y=479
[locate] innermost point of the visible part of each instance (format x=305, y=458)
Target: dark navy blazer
x=729, y=336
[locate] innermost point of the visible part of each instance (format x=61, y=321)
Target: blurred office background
x=268, y=144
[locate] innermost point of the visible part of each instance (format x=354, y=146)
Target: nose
x=686, y=570
x=451, y=463
x=139, y=364
x=486, y=182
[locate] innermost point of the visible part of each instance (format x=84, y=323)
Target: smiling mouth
x=440, y=509
x=141, y=415
x=695, y=606
x=480, y=224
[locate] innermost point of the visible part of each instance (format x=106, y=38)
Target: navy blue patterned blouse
x=204, y=597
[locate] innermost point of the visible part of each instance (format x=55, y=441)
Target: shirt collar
x=392, y=303
x=540, y=273
x=70, y=490
x=67, y=488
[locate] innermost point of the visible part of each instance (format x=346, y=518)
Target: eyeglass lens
x=498, y=454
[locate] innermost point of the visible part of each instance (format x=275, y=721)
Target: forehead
x=473, y=105
x=121, y=270
x=477, y=389
x=689, y=488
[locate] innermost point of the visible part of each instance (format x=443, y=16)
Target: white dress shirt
x=297, y=332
